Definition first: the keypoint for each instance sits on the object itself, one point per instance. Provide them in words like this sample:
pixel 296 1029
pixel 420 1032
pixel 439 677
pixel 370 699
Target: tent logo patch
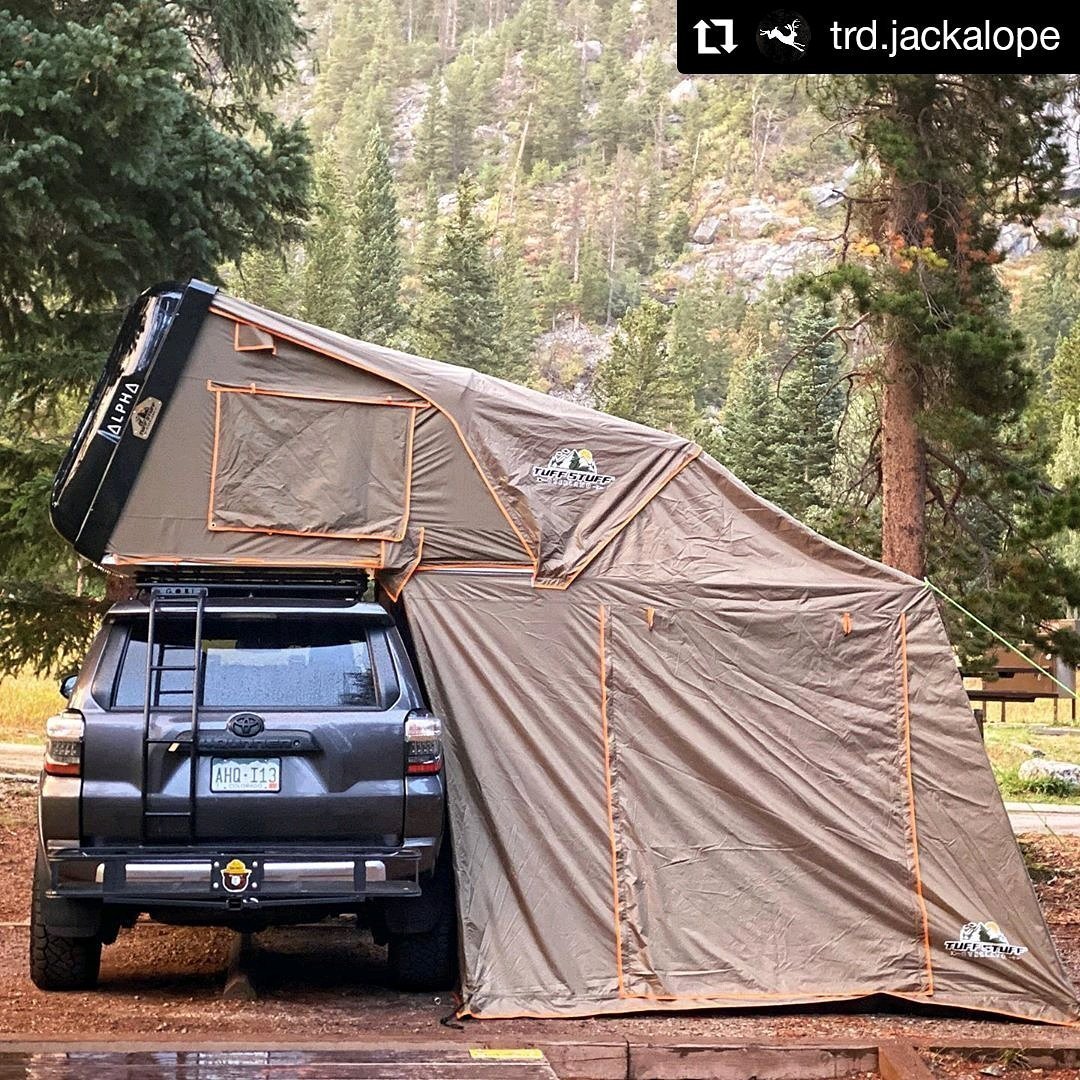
pixel 571 467
pixel 984 940
pixel 143 416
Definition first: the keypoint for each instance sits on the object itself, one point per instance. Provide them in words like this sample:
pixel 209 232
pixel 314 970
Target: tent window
pixel 248 338
pixel 310 466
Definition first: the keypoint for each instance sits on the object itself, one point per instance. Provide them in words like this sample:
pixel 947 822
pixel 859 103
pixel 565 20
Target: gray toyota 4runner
pixel 242 758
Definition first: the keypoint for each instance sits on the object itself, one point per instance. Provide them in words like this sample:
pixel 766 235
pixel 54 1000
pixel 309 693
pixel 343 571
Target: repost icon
pixel 707 29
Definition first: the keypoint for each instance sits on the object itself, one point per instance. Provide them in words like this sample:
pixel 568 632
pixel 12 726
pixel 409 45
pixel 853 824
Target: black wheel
pixel 58 963
pixel 429 960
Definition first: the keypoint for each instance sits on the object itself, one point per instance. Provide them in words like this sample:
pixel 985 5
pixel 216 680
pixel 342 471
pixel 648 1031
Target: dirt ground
pixel 328 980
pixel 1004 1067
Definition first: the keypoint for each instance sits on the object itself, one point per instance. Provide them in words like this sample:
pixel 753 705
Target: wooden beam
pixel 901 1061
pixel 239 985
pixel 788 1060
pixel 588 1061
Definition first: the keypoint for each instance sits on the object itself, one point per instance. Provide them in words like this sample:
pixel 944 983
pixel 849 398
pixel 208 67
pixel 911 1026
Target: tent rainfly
pixel 698 755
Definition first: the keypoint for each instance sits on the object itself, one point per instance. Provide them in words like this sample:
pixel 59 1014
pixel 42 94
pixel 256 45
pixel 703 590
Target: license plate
pixel 245 774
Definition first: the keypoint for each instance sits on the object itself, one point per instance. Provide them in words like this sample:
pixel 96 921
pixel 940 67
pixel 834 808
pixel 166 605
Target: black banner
pixel 719 37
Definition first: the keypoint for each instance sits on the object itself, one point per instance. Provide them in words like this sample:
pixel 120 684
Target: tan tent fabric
pixel 347 460
pixel 698 756
pixel 720 798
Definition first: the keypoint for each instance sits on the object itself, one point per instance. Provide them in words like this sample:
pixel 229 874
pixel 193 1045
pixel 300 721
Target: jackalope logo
pixel 571 467
pixel 783 35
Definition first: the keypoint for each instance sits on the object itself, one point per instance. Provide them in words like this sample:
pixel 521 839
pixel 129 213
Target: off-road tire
pixel 58 963
pixel 429 960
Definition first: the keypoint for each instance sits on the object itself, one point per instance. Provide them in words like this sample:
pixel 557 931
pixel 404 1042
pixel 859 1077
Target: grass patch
pixel 25 703
pixel 1008 745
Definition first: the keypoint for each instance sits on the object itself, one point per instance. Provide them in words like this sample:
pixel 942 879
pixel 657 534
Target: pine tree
pixel 463 107
pixel 338 67
pixel 129 157
pixel 704 325
pixel 676 235
pixel 614 120
pixel 431 159
pixel 747 440
pixel 639 380
pixel 1065 472
pixel 594 286
pixel 427 243
pixel 446 136
pixel 951 159
pixel 1048 304
pixel 643 240
pixel 517 312
pixel 1065 373
pixel 460 319
pixel 376 312
pixel 325 295
pixel 365 109
pixel 651 106
pixel 556 291
pixel 356 73
pixel 553 103
pixel 809 403
pixel 267 278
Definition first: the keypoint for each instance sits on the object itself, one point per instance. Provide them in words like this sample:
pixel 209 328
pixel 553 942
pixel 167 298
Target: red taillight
pixel 423 743
pixel 64 743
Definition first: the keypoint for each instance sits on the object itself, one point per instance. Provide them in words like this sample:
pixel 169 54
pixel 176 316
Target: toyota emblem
pixel 245 724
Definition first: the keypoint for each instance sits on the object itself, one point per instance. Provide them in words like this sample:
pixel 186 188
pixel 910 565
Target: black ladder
pixel 172 600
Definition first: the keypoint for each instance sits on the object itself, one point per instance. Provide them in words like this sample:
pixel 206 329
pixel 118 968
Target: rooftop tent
pixel 698 755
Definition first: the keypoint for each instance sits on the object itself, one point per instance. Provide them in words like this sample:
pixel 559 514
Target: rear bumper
pixel 235 880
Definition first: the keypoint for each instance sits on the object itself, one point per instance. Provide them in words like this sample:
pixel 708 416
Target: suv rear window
pixel 253 663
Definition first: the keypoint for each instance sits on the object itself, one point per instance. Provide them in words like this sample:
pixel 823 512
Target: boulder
pixel 752 219
pixel 712 192
pixel 1045 769
pixel 823 195
pixel 683 92
pixel 1016 241
pixel 1031 751
pixel 706 231
pixel 590 50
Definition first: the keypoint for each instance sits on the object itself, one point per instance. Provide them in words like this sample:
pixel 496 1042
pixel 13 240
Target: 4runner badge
pixel 235 876
pixel 984 940
pixel 570 467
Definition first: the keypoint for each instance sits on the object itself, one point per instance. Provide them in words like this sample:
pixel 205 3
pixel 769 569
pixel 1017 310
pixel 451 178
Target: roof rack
pixel 264 582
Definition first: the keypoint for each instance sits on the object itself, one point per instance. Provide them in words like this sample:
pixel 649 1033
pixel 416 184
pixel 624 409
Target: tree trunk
pixel 903 467
pixel 903 452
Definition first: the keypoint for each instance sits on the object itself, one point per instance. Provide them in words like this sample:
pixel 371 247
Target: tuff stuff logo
pixel 984 940
pixel 570 467
pixel 143 416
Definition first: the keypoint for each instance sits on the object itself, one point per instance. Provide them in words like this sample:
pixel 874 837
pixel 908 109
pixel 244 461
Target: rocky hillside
pixel 613 175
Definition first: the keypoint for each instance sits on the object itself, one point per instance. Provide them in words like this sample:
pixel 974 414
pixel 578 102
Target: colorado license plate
pixel 245 774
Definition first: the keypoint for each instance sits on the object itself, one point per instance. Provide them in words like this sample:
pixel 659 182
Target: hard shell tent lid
pixel 698 756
